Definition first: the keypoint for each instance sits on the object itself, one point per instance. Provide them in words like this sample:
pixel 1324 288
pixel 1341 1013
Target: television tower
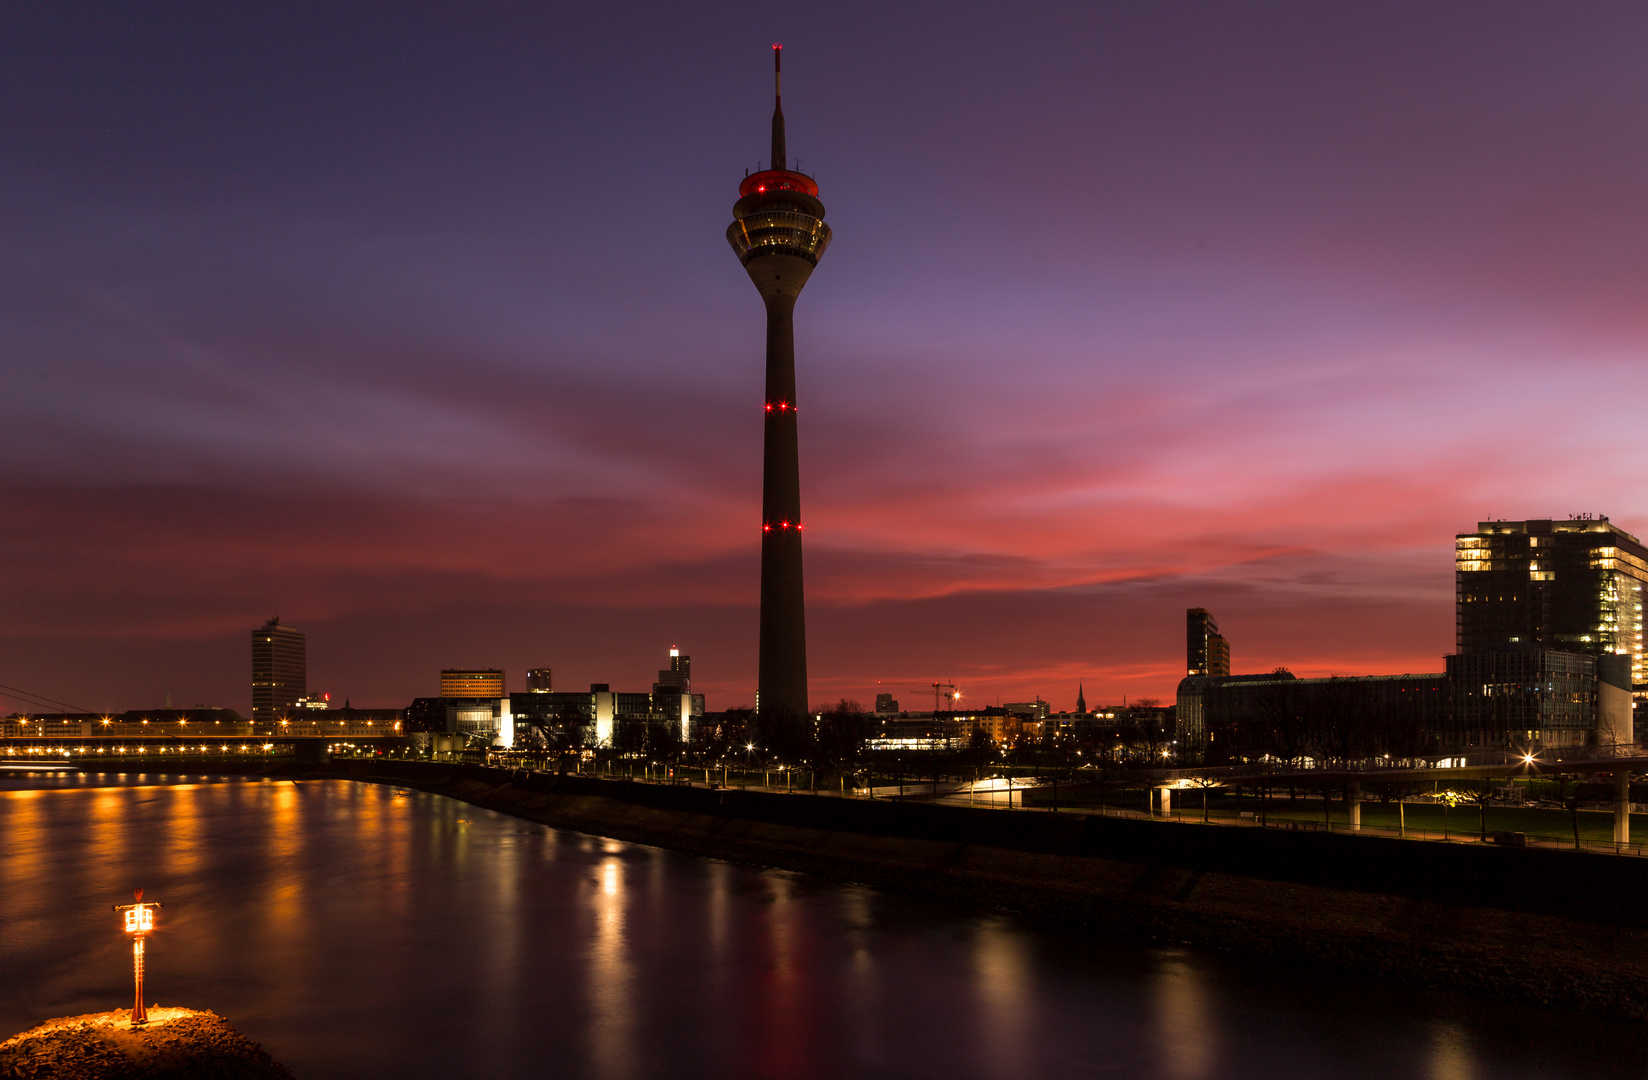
pixel 778 233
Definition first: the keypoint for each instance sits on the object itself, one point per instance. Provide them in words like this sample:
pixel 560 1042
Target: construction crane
pixel 947 691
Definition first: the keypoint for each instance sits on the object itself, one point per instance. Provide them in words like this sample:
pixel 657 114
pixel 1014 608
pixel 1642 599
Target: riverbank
pixel 1562 929
pixel 176 1043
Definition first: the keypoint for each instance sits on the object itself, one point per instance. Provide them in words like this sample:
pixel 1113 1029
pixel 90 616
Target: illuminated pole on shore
pixel 139 922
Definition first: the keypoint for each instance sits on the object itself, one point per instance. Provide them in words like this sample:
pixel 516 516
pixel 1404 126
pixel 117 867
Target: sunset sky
pixel 416 325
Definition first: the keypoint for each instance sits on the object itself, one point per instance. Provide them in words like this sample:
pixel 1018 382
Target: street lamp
pixel 139 923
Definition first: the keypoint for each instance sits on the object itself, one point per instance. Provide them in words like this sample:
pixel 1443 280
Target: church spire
pixel 1081 699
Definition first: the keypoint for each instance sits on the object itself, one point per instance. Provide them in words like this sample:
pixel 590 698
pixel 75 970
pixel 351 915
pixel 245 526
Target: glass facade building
pixel 1575 586
pixel 1521 698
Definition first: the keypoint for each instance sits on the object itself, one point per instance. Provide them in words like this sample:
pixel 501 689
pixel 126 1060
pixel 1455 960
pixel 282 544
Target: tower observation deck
pixel 778 233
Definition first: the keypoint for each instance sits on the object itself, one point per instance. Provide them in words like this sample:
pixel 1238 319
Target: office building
pixel 1549 633
pixel 1206 653
pixel 472 683
pixel 778 233
pixel 1549 654
pixel 481 721
pixel 672 696
pixel 1574 586
pixel 1535 698
pixel 1230 717
pixel 279 670
pixel 677 677
pixel 540 680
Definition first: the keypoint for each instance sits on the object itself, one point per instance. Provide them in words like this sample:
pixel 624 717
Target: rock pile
pixel 176 1043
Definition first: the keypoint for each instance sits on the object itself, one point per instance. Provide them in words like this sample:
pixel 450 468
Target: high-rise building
pixel 672 696
pixel 778 233
pixel 1206 652
pixel 472 683
pixel 677 677
pixel 280 673
pixel 540 680
pixel 1574 585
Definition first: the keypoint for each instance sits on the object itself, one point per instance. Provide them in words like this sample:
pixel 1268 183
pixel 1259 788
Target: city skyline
pixel 1333 287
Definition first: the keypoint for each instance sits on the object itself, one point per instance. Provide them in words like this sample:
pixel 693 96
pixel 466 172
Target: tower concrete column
pixel 1164 802
pixel 782 664
pixel 1353 806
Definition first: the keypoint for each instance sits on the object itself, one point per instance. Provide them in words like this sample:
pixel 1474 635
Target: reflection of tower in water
pixel 1001 966
pixel 1187 1039
pixel 610 975
pixel 778 233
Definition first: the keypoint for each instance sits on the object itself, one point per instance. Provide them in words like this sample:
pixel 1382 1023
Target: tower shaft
pixel 783 646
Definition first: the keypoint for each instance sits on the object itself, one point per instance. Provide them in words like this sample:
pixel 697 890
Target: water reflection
pixel 782 1027
pixel 610 1034
pixel 1185 1028
pixel 357 931
pixel 1450 1053
pixel 1002 967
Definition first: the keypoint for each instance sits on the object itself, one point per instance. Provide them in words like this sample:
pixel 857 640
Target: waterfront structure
pixel 472 683
pixel 1206 652
pixel 1229 717
pixel 1549 632
pixel 169 723
pixel 183 725
pixel 279 669
pixel 778 234
pixel 1574 585
pixel 1548 653
pixel 482 721
pixel 610 718
pixel 1534 697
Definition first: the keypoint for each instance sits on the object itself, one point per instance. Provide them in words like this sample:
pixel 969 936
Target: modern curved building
pixel 778 233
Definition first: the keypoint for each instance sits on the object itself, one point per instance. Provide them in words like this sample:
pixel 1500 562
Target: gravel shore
pixel 176 1043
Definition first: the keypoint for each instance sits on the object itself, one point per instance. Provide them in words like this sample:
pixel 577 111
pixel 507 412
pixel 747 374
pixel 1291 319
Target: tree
pixel 1339 721
pixel 1451 799
pixel 1205 783
pixel 843 732
pixel 1283 729
pixel 785 734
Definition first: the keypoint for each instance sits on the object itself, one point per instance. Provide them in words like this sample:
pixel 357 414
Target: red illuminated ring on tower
pixel 782 526
pixel 783 406
pixel 777 180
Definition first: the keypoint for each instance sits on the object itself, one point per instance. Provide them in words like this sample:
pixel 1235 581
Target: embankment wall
pixel 1598 888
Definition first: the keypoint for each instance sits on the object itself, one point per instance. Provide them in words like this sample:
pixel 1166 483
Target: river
pixel 360 930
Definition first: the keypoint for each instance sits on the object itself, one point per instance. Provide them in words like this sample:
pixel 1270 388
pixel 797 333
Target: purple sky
pixel 419 329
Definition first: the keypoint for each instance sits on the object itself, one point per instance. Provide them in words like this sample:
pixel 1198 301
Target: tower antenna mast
pixel 779 157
